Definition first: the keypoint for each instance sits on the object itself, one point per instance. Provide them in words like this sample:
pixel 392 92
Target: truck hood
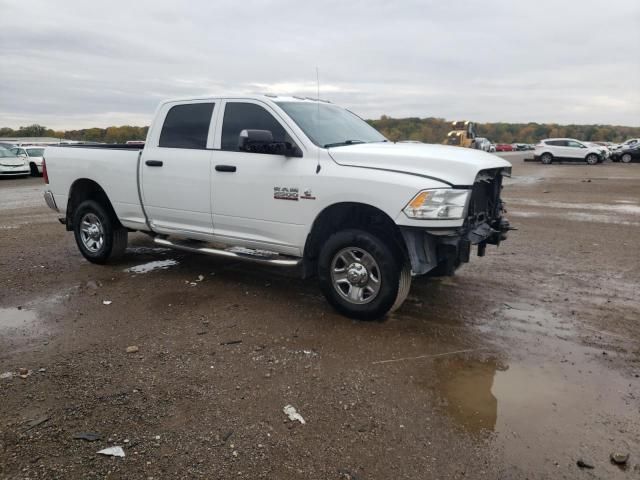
pixel 452 165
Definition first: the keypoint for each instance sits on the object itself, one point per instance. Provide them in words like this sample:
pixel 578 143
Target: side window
pixel 574 144
pixel 186 126
pixel 248 116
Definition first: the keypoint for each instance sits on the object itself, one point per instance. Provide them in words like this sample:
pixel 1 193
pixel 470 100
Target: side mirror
pixel 254 140
pixel 261 141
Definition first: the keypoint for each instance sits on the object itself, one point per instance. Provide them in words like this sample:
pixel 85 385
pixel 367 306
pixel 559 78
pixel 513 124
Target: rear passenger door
pixel 559 149
pixel 175 170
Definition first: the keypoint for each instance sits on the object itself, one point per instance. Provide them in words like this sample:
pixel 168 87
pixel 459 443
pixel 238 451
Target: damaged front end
pixel 440 251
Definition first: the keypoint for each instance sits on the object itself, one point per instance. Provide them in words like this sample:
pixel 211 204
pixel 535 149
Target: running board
pixel 238 254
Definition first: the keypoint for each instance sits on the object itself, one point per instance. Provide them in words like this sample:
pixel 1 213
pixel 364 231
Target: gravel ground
pixel 523 363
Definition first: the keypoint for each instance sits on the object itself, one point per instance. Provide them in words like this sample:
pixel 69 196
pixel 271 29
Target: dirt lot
pixel 523 363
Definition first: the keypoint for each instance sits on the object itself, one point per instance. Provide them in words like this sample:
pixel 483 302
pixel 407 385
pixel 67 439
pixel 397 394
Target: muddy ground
pixel 523 363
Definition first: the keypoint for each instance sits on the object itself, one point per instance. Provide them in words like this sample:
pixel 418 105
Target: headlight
pixel 437 204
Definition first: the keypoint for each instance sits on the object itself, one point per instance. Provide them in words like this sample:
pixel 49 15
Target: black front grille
pixel 485 204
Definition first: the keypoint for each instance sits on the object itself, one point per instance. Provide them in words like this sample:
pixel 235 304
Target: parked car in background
pixel 628 154
pixel 567 150
pixel 482 143
pixel 33 156
pixel 504 147
pixel 629 143
pixel 11 165
pixel 492 147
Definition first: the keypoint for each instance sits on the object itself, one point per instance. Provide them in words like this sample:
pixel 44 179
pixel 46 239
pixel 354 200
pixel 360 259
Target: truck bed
pixel 113 167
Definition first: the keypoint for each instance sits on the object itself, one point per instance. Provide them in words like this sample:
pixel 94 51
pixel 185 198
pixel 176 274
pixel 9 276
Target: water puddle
pixel 624 208
pixel 576 216
pixel 17 318
pixel 546 403
pixel 31 320
pixel 148 250
pixel 541 411
pixel 521 180
pixel 151 266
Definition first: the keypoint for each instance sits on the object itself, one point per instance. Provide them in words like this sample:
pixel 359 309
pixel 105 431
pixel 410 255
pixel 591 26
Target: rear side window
pixel 557 143
pixel 187 126
pixel 248 116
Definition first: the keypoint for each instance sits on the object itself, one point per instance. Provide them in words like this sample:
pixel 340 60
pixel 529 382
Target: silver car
pixel 11 165
pixel 33 155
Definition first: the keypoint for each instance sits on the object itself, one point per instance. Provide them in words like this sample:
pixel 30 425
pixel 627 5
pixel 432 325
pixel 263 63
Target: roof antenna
pixel 318 118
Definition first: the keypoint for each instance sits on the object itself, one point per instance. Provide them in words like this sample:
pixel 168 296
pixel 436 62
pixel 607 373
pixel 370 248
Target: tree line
pixel 107 135
pixel 434 130
pixel 429 130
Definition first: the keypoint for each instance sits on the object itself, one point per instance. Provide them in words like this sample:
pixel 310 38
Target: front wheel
pixel 361 275
pixel 626 158
pixel 592 159
pixel 99 236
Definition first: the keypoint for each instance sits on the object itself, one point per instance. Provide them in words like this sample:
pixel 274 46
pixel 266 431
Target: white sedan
pixel 33 156
pixel 12 165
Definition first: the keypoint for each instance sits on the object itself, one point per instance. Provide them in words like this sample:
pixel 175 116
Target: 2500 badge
pixel 284 193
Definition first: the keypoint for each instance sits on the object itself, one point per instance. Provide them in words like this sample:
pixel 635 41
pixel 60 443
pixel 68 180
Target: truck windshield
pixel 329 125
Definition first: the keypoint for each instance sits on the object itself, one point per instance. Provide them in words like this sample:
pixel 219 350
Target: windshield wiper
pixel 339 144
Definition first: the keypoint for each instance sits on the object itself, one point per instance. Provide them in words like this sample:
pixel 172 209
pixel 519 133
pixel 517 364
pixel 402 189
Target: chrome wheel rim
pixel 355 275
pixel 91 232
pixel 626 158
pixel 592 159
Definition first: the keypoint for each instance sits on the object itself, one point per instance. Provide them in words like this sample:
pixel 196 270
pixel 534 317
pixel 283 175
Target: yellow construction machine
pixel 462 135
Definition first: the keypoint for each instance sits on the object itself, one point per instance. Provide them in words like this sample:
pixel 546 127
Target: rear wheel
pixel 547 158
pixel 98 235
pixel 626 158
pixel 361 275
pixel 592 159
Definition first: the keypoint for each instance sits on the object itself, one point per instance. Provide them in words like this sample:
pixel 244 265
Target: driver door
pixel 256 196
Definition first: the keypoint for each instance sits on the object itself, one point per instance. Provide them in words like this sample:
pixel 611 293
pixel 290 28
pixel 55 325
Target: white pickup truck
pixel 285 181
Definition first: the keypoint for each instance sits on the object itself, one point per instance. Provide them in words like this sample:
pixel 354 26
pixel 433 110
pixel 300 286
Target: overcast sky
pixel 78 64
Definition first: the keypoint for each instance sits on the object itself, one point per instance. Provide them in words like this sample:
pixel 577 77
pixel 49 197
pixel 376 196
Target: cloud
pixel 78 64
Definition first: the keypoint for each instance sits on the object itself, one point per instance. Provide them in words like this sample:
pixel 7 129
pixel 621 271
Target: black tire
pixel 626 158
pixel 113 237
pixel 592 159
pixel 34 170
pixel 388 268
pixel 547 158
pixel 405 287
